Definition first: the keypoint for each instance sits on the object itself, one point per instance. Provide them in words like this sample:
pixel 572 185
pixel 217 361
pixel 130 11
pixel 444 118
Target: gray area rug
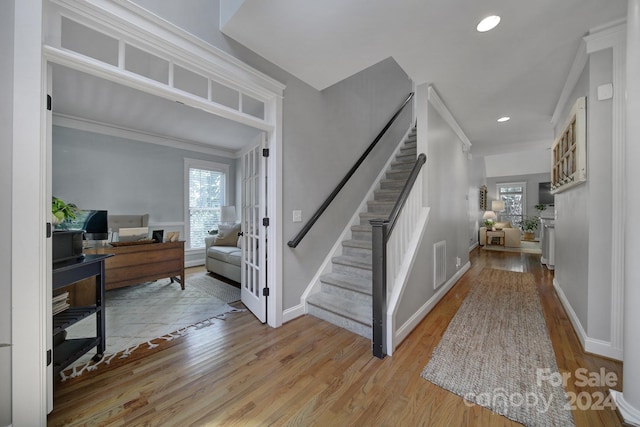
pixel 146 314
pixel 214 287
pixel 495 350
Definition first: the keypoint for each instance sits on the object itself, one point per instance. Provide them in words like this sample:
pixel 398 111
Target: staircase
pixel 345 296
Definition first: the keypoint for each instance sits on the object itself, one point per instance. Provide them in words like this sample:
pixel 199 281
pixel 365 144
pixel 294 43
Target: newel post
pixel 379 282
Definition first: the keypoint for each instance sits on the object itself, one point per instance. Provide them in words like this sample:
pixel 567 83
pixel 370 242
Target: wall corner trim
pixel 441 107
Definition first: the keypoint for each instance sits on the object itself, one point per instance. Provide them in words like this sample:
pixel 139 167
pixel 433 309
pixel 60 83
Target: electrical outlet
pixel 458 262
pixel 297 216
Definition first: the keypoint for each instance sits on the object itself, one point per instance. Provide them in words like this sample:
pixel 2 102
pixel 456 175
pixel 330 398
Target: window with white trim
pixel 206 188
pixel 514 196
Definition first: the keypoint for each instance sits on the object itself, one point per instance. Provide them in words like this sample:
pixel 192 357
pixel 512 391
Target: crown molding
pixel 136 135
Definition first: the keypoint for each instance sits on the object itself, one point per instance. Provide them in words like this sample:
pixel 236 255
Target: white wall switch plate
pixel 297 216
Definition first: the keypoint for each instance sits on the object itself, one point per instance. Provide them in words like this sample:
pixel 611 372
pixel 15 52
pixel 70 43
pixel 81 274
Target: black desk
pixel 65 273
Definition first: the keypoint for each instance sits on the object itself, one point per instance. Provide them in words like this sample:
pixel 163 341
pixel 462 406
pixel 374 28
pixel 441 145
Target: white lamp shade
pixel 489 215
pixel 497 205
pixel 228 214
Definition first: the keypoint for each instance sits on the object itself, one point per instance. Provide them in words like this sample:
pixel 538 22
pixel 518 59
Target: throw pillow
pixel 227 235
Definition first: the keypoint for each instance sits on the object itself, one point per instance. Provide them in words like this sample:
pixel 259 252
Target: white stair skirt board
pixel 341 291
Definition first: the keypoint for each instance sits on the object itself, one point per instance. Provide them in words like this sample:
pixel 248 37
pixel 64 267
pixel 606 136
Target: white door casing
pixel 254 211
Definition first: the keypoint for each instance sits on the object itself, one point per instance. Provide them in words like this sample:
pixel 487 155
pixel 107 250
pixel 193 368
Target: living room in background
pixel 206 191
pixel 514 196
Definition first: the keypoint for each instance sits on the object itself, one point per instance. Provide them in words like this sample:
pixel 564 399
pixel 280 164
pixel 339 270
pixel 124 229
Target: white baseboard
pixel 630 415
pixel 293 313
pixel 475 245
pixel 590 345
pixel 404 330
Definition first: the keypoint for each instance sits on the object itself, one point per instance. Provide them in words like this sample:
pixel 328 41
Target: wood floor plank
pixel 308 372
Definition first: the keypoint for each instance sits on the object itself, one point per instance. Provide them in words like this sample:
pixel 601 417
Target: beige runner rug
pixel 496 349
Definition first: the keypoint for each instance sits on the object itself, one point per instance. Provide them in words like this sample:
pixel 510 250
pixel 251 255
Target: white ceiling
pixel 82 96
pixel 517 70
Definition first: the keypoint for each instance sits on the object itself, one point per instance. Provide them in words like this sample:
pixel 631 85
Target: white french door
pixel 254 248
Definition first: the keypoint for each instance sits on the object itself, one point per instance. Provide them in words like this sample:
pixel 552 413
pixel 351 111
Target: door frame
pixel 31 208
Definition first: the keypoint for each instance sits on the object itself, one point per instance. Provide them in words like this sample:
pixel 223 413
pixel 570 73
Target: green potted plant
pixel 529 225
pixel 62 211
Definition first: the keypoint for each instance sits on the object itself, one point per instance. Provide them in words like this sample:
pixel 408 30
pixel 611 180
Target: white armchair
pixel 511 235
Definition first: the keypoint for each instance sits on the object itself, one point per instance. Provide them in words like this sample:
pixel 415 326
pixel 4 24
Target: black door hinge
pixel 49 357
pixel 48 230
pixel 265 152
pixel 265 292
pixel 48 102
pixel 265 222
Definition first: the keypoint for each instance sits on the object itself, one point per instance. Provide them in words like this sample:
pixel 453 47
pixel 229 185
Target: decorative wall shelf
pixel 568 152
pixel 483 198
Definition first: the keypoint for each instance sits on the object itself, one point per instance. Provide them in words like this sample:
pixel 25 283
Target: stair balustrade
pixel 391 238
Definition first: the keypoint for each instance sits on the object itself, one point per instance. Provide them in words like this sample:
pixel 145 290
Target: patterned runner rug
pixel 146 314
pixel 495 349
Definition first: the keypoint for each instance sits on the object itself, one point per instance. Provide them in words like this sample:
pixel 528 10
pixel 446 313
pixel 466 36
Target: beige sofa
pixel 223 253
pixel 511 235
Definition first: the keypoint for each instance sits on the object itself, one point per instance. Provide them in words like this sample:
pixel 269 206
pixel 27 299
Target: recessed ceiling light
pixel 488 23
pixel 504 119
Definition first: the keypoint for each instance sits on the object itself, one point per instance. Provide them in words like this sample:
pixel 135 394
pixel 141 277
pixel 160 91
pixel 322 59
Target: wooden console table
pixel 498 234
pixel 142 263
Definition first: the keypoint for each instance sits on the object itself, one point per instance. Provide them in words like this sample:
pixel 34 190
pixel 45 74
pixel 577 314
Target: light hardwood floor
pixel 309 372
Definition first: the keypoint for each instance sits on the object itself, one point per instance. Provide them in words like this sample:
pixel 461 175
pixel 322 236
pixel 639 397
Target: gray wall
pixel 599 186
pixel 324 133
pixel 583 238
pixel 447 183
pixel 6 133
pixel 123 176
pixel 572 224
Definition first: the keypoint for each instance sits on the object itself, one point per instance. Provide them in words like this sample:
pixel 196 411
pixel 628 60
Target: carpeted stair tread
pixel 356 243
pixel 365 217
pixel 389 184
pixel 403 164
pixel 382 206
pixel 356 284
pixel 398 174
pixel 353 261
pixel 343 307
pixel 387 194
